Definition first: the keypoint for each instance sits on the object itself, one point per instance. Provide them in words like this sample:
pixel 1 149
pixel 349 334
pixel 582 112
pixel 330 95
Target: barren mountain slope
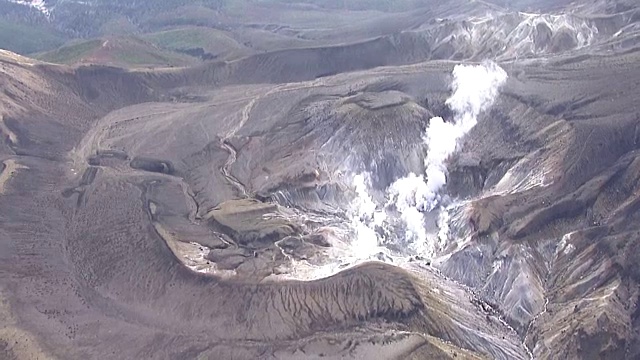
pixel 199 212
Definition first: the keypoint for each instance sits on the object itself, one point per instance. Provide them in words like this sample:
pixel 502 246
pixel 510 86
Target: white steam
pixel 475 88
pixel 405 194
pixel 364 218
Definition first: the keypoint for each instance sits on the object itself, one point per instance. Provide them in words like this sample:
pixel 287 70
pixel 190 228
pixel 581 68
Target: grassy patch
pixel 71 53
pixel 179 39
pixel 189 38
pixel 136 56
pixel 211 41
pixel 119 51
pixel 381 5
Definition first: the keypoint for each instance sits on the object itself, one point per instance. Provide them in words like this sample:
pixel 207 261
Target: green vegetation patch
pixel 139 56
pixel 27 39
pixel 194 37
pixel 381 5
pixel 71 53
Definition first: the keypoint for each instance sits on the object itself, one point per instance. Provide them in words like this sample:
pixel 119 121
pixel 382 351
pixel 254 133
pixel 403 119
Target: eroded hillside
pixel 232 208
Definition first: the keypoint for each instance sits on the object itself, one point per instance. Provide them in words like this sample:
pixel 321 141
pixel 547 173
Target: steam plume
pixel 475 88
pixel 364 219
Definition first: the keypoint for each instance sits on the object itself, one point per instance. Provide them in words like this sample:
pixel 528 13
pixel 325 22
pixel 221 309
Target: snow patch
pixel 39 5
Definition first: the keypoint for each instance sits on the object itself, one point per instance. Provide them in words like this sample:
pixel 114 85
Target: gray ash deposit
pixel 425 180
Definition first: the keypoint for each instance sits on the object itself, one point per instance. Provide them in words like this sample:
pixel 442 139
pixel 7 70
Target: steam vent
pixel 319 179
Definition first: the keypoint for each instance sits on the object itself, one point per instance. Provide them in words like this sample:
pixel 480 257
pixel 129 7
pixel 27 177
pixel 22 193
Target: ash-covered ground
pixel 460 180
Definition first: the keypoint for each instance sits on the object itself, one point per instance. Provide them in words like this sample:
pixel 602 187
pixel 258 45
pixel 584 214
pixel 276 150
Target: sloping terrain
pixel 117 51
pixel 32 39
pixel 200 42
pixel 169 48
pixel 221 208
